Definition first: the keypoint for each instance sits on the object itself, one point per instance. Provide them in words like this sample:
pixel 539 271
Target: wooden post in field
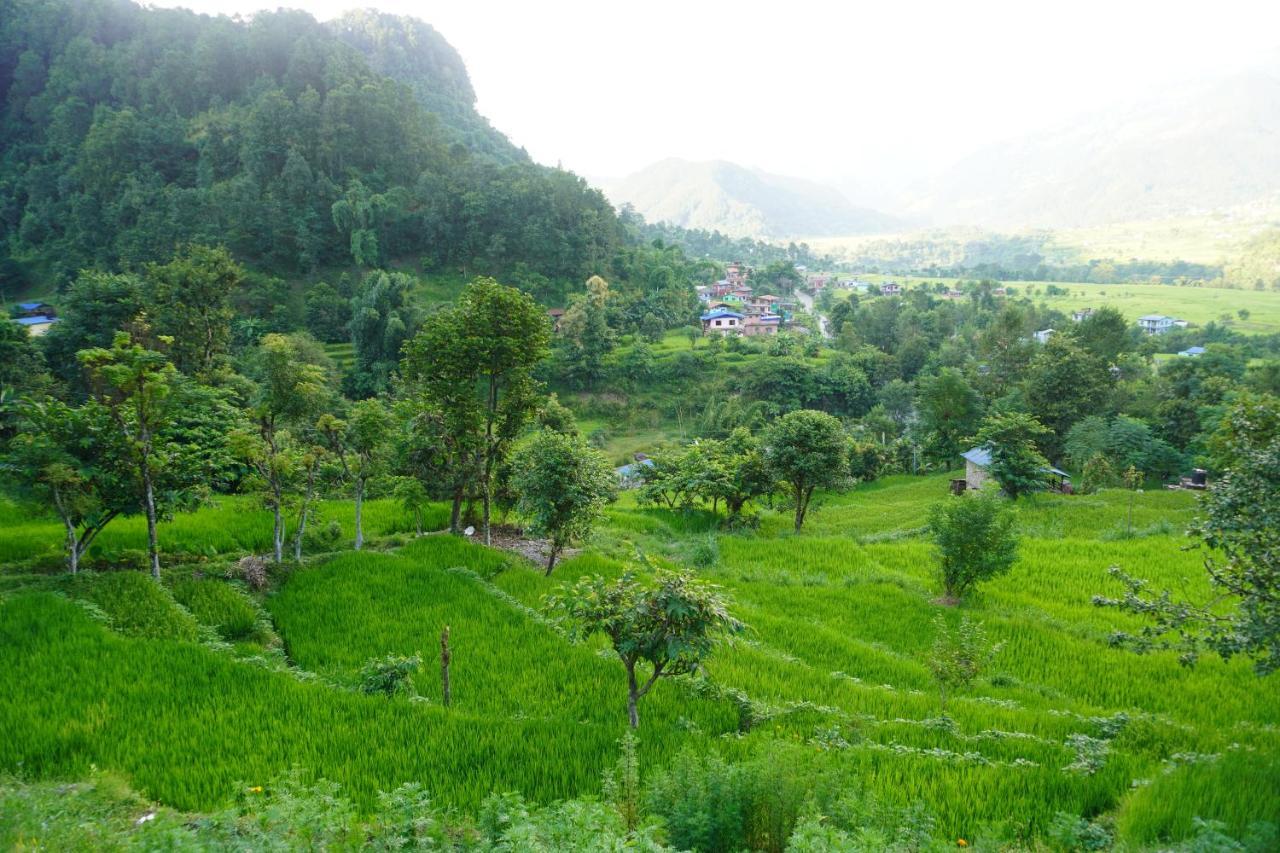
pixel 445 656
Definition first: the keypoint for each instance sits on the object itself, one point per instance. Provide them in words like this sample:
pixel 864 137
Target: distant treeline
pixel 714 245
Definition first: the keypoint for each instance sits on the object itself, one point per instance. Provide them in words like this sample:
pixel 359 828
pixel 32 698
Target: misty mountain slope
pixel 741 202
pixel 1205 147
pixel 414 53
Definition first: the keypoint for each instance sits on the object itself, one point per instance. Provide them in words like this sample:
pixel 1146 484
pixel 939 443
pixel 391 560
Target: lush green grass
pixel 232 525
pixel 219 605
pixel 1199 305
pixel 840 623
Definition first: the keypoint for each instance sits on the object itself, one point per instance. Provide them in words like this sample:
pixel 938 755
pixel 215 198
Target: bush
pixel 390 676
pixel 219 606
pixel 975 539
pixel 254 571
pixel 136 606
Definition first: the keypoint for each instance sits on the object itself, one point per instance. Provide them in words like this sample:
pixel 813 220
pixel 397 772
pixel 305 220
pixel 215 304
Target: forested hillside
pixel 126 131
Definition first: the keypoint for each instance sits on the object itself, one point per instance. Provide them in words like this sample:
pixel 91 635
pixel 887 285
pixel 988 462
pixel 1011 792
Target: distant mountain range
pixel 741 202
pixel 1192 150
pixel 1180 152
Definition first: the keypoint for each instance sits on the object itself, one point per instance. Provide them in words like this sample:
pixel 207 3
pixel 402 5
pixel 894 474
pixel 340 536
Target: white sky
pixel 878 90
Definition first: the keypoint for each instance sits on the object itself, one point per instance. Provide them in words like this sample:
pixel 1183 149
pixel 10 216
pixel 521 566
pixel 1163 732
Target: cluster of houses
pixel 733 308
pixel 35 317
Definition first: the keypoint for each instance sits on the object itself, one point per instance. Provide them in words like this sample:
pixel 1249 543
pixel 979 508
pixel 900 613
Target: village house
pixel 891 288
pixel 764 324
pixel 556 315
pixel 953 294
pixel 631 475
pixel 977 472
pixel 722 320
pixel 1192 352
pixel 35 317
pixel 1042 336
pixel 736 274
pixel 1081 315
pixel 1158 324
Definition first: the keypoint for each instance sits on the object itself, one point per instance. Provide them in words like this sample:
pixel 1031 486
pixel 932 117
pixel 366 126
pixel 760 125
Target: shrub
pixel 391 675
pixel 975 539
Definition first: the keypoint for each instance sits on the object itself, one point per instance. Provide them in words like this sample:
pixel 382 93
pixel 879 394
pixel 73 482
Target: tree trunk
pixel 800 502
pixel 153 545
pixel 359 513
pixel 277 532
pixel 455 514
pixel 446 657
pixel 551 561
pixel 633 697
pixel 73 549
pixel 488 538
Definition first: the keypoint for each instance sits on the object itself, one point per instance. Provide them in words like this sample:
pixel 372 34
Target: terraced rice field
pixel 840 619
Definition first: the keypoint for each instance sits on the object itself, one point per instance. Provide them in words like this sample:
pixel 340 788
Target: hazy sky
pixel 817 89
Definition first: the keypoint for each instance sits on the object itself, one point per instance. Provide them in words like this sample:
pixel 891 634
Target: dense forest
pixel 296 145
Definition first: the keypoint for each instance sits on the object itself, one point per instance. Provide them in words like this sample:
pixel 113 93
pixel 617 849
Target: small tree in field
pixel 360 445
pixel 806 449
pixel 70 459
pixel 136 386
pixel 975 539
pixel 1016 462
pixel 562 486
pixel 959 655
pixel 672 626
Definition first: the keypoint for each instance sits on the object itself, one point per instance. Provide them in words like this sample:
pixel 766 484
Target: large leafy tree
pixel 474 362
pixel 585 336
pixel 136 386
pixel 975 538
pixel 94 308
pixel 562 486
pixel 949 410
pixel 191 295
pixel 672 625
pixel 1066 382
pixel 70 458
pixel 806 450
pixel 1016 461
pixel 383 319
pixel 1105 333
pixel 740 471
pixel 291 392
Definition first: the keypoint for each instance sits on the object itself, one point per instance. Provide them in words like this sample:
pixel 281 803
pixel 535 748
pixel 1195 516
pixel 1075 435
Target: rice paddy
pixel 840 622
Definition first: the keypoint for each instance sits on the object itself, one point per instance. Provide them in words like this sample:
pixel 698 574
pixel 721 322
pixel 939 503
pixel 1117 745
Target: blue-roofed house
pixel 977 471
pixel 722 320
pixel 1192 352
pixel 37 325
pixel 35 309
pixel 629 475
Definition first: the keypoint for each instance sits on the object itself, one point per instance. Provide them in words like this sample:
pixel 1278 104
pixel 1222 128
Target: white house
pixel 1157 324
pixel 722 320
pixel 1042 336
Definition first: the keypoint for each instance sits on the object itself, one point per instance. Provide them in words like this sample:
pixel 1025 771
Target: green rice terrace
pixel 199 690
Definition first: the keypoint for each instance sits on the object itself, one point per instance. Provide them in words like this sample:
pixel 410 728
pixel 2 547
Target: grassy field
pixel 840 620
pixel 1196 304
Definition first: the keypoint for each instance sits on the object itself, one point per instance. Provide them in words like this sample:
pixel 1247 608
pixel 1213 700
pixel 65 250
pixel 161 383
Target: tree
pixel 192 299
pixel 1105 333
pixel 585 336
pixel 360 445
pixel 806 450
pixel 136 387
pixel 975 538
pixel 291 391
pixel 959 655
pixel 1239 525
pixel 562 486
pixel 1065 383
pixel 475 362
pixel 672 625
pixel 21 365
pixel 382 320
pixel 740 471
pixel 69 458
pixel 949 410
pixel 1016 462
